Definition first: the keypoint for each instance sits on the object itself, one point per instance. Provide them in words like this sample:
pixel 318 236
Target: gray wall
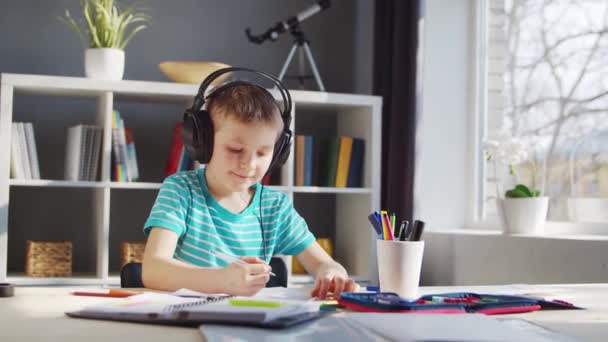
pixel 35 41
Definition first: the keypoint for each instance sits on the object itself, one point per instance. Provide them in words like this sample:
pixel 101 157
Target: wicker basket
pixel 131 251
pixel 48 258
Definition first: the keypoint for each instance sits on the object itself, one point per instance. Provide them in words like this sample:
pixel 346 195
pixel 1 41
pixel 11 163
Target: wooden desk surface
pixel 37 313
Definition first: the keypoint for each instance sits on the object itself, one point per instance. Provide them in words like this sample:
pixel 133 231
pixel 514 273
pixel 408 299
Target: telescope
pixel 292 24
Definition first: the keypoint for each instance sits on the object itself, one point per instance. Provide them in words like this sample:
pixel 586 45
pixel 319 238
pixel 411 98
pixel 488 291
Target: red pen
pixel 112 293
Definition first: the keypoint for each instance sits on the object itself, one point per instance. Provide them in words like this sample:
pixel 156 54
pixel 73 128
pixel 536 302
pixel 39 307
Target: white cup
pixel 399 264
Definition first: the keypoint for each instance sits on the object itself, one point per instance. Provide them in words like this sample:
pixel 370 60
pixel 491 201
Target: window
pixel 546 77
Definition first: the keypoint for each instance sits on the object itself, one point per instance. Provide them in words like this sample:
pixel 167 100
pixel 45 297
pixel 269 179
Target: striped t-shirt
pixel 185 206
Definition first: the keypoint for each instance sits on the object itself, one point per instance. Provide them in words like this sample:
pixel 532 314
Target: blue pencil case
pixel 455 302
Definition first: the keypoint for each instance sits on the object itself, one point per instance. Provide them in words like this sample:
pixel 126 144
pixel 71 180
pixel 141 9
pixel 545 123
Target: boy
pixel 224 209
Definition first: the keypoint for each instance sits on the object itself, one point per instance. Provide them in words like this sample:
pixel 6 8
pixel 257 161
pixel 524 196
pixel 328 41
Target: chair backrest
pixel 130 274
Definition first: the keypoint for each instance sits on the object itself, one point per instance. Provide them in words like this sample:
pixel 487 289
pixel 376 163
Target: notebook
pixel 163 308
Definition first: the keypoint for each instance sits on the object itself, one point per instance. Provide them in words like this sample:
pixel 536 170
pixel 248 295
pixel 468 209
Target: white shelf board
pixel 160 91
pixel 23 280
pixel 55 183
pixel 328 190
pixel 82 184
pixel 134 185
pixel 152 185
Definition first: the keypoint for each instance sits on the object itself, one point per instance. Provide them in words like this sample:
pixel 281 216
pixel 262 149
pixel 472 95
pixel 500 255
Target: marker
pixel 232 259
pixel 403 230
pixel 255 303
pixel 375 224
pixel 394 226
pixel 418 234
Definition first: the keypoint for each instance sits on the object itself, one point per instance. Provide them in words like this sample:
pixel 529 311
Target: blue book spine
pixel 355 170
pixel 308 160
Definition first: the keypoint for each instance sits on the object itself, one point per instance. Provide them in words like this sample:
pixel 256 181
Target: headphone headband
pixel 200 97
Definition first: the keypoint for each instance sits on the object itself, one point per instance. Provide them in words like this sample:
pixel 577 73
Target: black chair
pixel 130 274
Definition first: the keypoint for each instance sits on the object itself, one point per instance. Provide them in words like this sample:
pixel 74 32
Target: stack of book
pixel 24 156
pixel 82 153
pixel 124 156
pixel 330 162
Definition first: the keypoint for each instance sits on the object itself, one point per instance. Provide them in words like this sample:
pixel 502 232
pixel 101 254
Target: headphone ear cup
pixel 281 151
pixel 197 135
pixel 205 137
pixel 188 133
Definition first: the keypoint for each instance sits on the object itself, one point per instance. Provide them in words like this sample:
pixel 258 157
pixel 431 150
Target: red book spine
pixel 175 151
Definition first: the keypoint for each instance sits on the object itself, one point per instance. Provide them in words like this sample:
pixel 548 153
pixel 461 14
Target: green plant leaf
pixel 524 189
pixel 106 24
pixel 516 193
pixel 536 193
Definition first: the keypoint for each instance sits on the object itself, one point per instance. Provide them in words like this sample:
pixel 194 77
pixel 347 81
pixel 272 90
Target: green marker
pixel 489 300
pixel 255 303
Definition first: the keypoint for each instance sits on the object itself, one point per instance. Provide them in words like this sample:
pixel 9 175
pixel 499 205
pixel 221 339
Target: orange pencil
pixel 112 293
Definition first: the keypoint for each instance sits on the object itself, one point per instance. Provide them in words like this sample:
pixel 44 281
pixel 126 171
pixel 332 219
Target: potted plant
pixel 523 209
pixel 108 30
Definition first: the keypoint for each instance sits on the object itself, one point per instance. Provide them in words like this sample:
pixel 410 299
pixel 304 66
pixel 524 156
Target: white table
pixel 37 313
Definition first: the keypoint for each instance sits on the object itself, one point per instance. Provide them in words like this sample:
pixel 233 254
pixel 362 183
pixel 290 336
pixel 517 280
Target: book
pixel 31 150
pixel 16 155
pixel 346 145
pixel 96 153
pixel 300 152
pixel 131 154
pixel 308 141
pixel 355 169
pixel 333 148
pixel 164 308
pixel 74 153
pixel 24 150
pixel 118 169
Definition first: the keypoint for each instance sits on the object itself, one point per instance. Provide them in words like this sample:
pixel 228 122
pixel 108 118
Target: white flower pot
pixel 588 209
pixel 525 215
pixel 104 63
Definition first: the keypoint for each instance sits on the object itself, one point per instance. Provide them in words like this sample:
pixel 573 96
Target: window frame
pixel 476 217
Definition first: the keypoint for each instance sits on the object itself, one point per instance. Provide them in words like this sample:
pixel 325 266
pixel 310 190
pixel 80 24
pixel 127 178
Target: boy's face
pixel 242 152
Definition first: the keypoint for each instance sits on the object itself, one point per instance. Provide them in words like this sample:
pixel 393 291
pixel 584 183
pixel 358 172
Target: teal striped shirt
pixel 185 206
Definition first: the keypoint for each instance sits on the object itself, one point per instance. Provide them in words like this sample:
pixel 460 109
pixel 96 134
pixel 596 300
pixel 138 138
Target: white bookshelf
pixel 355 115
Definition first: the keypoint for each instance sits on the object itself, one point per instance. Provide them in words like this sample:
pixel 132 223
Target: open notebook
pixel 163 308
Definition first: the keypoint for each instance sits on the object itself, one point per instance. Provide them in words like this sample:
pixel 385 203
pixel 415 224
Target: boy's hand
pixel 246 279
pixel 332 277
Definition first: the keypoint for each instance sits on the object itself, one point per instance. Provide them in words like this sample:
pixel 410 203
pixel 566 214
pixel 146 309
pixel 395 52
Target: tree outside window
pixel 548 82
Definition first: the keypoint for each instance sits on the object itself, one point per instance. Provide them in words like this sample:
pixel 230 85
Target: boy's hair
pixel 245 102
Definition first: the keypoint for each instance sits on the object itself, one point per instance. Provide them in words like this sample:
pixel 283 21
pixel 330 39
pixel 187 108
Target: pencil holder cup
pixel 399 264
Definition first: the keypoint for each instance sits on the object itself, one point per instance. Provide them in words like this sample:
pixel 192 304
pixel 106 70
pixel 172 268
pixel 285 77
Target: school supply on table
pixel 111 293
pixel 232 259
pixel 386 227
pixel 456 302
pixel 163 308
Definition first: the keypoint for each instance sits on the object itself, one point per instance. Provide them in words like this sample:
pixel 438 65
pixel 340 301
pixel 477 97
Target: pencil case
pixel 456 302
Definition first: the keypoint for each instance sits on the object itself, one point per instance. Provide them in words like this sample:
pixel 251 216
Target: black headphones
pixel 198 132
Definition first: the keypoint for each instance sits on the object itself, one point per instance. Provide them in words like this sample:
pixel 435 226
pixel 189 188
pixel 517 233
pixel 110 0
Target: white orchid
pixel 510 151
